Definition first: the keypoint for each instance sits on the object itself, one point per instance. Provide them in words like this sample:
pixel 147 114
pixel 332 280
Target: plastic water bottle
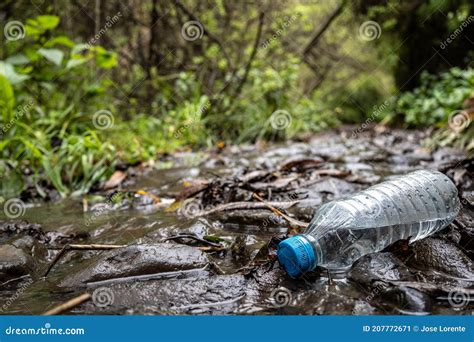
pixel 407 207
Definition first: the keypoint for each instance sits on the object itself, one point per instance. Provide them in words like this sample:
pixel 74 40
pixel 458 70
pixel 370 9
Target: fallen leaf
pixel 115 180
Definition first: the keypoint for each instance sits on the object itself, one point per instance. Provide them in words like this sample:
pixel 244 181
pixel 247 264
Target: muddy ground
pixel 199 237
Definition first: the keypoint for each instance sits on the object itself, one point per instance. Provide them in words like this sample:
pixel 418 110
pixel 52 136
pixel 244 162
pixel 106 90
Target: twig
pixel 192 237
pixel 320 31
pixel 15 279
pixel 246 206
pixel 252 55
pixel 72 303
pixel 67 248
pixel 145 277
pixel 279 213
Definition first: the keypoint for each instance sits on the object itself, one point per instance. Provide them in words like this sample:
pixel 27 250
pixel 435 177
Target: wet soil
pixel 191 235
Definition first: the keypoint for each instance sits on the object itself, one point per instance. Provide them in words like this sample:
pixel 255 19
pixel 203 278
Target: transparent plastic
pixel 407 207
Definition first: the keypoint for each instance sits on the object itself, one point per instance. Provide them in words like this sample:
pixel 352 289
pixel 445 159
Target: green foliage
pixel 7 99
pixel 50 132
pixel 436 97
pixel 437 102
pixel 177 94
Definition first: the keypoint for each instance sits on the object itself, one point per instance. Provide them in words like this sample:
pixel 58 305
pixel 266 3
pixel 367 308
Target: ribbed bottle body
pixel 411 206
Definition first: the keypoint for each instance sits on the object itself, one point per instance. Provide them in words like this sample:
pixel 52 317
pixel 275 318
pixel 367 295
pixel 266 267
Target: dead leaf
pixel 458 175
pixel 115 180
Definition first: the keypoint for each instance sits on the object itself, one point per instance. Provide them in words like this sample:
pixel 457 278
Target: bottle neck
pixel 316 248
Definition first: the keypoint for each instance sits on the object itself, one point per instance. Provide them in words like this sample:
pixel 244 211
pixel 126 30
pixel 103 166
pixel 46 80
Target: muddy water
pixel 229 265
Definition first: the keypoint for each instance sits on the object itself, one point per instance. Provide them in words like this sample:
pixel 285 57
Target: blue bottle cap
pixel 296 255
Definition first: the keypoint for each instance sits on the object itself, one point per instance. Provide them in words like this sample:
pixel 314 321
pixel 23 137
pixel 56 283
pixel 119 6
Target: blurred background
pixel 89 87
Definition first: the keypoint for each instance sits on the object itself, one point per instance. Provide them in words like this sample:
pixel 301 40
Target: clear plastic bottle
pixel 411 206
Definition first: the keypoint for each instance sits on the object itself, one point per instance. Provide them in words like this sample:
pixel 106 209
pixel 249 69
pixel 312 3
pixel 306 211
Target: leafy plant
pixel 50 133
pixel 436 97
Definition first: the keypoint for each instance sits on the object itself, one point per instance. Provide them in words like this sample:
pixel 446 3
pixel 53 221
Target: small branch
pixel 192 237
pixel 252 55
pixel 320 31
pixel 72 303
pixel 246 206
pixel 67 248
pixel 145 277
pixel 277 212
